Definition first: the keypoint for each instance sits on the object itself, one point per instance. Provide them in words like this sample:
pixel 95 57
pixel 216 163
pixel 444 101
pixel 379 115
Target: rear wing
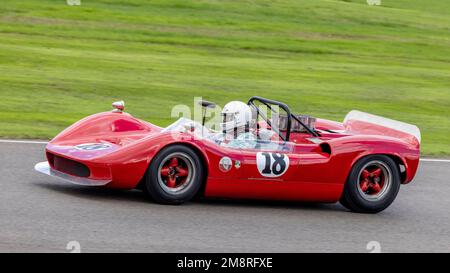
pixel 371 124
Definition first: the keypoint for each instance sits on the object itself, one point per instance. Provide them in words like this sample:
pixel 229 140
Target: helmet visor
pixel 227 117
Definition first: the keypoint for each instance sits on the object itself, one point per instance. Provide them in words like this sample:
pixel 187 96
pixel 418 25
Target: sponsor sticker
pixel 225 164
pixel 93 146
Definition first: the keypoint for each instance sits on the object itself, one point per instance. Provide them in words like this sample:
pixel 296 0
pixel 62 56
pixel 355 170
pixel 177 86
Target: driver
pixel 236 117
pixel 237 123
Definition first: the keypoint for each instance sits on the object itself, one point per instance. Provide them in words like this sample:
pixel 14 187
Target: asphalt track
pixel 42 214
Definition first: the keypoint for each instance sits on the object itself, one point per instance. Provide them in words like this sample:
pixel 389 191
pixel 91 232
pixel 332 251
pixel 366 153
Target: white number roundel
pixel 272 164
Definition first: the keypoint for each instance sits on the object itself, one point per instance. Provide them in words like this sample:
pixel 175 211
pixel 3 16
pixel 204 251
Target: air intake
pixel 68 166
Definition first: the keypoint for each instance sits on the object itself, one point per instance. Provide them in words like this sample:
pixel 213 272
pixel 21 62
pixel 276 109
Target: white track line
pixel 22 141
pixel 44 142
pixel 435 160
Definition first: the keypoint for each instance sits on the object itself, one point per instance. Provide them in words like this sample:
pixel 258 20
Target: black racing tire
pixel 344 203
pixel 161 189
pixel 359 197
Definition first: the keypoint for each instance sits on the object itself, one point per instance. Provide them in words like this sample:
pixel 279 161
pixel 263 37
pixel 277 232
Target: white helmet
pixel 235 115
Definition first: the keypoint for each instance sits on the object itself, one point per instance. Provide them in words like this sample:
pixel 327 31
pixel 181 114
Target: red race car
pixel 361 162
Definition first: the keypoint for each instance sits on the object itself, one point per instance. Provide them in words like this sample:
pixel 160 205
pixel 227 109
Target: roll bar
pixel 268 102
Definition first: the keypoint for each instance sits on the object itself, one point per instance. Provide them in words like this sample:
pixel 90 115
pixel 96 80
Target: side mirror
pixel 207 104
pixel 118 106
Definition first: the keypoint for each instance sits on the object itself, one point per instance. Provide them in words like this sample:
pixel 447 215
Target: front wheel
pixel 174 176
pixel 372 185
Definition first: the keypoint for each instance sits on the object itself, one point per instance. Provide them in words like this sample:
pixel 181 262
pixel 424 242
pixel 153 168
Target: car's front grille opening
pixel 68 166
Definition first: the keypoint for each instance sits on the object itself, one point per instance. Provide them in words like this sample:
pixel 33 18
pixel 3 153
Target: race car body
pixel 360 162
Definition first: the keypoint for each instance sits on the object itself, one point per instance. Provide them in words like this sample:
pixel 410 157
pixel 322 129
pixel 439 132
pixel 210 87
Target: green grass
pixel 323 57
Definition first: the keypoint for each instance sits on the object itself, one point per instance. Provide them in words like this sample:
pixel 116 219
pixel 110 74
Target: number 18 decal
pixel 272 164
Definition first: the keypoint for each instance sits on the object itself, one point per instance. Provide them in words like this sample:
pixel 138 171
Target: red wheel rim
pixel 175 172
pixel 374 180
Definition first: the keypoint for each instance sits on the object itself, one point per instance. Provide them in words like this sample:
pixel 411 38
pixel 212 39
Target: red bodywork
pixel 317 171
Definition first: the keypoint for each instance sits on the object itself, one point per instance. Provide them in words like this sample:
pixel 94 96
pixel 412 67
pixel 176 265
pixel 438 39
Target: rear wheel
pixel 174 176
pixel 372 186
